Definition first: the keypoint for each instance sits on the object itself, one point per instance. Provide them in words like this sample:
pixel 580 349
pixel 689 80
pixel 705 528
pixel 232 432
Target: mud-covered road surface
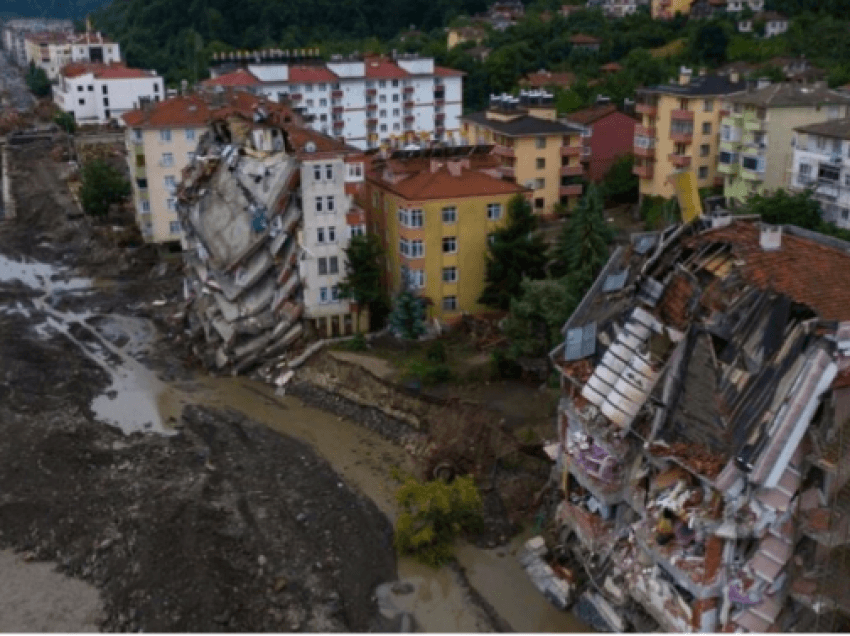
pixel 215 523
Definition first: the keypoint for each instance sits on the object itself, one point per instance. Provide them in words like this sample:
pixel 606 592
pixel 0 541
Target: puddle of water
pixel 39 276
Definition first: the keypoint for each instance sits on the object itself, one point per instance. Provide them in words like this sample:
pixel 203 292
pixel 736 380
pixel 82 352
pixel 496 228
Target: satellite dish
pixel 310 146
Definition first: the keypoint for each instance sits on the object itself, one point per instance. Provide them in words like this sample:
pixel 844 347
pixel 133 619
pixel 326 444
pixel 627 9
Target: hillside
pixel 73 9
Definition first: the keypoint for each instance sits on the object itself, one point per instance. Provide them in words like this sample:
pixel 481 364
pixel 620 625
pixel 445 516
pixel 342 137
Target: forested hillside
pixel 73 9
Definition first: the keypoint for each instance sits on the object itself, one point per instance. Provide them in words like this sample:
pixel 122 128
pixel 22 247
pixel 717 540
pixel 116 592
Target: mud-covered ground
pixel 223 526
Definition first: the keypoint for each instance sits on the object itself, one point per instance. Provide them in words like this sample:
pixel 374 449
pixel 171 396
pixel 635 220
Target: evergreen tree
pixel 536 318
pixel 37 81
pixel 362 282
pixel 102 185
pixel 515 253
pixel 407 319
pixel 582 248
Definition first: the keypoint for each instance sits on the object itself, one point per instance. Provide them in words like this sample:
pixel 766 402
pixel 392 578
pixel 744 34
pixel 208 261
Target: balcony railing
pixel 682 136
pixel 409 104
pixel 338 94
pixel 572 171
pixel 503 151
pixel 573 190
pixel 645 131
pixel 508 172
pixel 409 89
pixel 682 115
pixel 646 108
pixel 680 161
pixel 371 92
pixel 339 124
pixel 570 151
pixel 337 109
pixel 644 171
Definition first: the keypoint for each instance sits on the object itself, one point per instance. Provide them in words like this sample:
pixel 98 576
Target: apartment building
pixel 16 30
pixel 366 101
pixel 702 9
pixel 621 8
pixel 774 24
pixel 434 211
pixel 756 137
pixel 821 162
pixel 736 6
pixel 537 151
pixel 460 35
pixel 548 80
pixel 679 130
pixel 53 50
pixel 702 456
pixel 609 135
pixel 99 93
pixel 667 9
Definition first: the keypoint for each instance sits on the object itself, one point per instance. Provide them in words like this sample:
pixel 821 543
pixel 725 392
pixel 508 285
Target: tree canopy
pixel 582 248
pixel 362 282
pixel 102 185
pixel 37 81
pixel 515 253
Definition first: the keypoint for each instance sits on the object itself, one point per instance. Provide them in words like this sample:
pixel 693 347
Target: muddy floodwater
pixel 138 399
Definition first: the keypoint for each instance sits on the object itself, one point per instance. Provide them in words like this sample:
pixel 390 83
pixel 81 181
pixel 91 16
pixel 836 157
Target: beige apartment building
pixel 679 131
pixel 53 50
pixel 161 139
pixel 537 151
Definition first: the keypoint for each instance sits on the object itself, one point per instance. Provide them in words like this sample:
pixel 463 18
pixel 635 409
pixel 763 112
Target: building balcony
pixel 728 168
pixel 730 145
pixel 754 125
pixel 573 190
pixel 371 92
pixel 144 194
pixel 503 151
pixel 372 121
pixel 440 130
pixel 409 90
pixel 570 151
pixel 439 116
pixel 646 152
pixel 409 104
pixel 682 137
pixel 508 172
pixel 572 171
pixel 296 97
pixel 679 161
pixel 337 110
pixel 439 99
pixel 409 118
pixel 644 171
pixel 371 107
pixel 140 172
pixel 648 109
pixel 339 124
pixel 337 94
pixel 645 131
pixel 682 115
pixel 751 175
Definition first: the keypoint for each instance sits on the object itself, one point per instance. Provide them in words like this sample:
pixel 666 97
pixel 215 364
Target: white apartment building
pixel 52 51
pixel 368 102
pixel 331 218
pixel 736 6
pixel 98 93
pixel 16 30
pixel 822 162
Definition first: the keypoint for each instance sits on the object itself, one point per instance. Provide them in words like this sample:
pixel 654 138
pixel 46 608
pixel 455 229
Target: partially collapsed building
pixel 704 430
pixel 251 202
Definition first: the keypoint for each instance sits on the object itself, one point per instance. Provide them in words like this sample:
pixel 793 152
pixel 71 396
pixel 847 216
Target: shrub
pixel 357 343
pixel 505 367
pixel 433 514
pixel 436 352
pixel 429 372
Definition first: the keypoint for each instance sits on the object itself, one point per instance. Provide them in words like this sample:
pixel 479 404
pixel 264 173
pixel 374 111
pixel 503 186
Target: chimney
pixel 770 237
pixel 684 76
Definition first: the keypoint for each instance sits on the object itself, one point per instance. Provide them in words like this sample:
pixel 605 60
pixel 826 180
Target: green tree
pixel 433 514
pixel 582 248
pixel 621 183
pixel 37 81
pixel 798 209
pixel 708 44
pixel 102 185
pixel 407 319
pixel 536 317
pixel 515 253
pixel 362 282
pixel 66 122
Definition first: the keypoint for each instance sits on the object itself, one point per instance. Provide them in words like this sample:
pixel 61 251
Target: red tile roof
pixel 311 74
pixel 442 184
pixel 592 114
pixel 612 67
pixel 104 71
pixel 62 37
pixel 442 71
pixel 240 77
pixel 581 38
pixel 808 272
pixel 382 68
pixel 541 79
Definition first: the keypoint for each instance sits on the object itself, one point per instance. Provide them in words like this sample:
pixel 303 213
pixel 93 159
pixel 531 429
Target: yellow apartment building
pixel 434 217
pixel 536 150
pixel 667 9
pixel 679 131
pixel 459 35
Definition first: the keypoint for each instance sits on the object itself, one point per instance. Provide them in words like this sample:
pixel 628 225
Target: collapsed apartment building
pixel 703 452
pixel 266 210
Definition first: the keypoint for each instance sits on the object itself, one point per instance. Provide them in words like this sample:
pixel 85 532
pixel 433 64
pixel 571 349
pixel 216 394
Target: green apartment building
pixel 757 132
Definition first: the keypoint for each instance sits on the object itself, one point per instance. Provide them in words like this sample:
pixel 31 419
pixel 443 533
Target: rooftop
pixel 581 38
pixel 239 77
pixel 838 128
pixel 523 125
pixel 543 78
pixel 590 115
pixel 311 74
pixel 698 86
pixel 105 71
pixel 382 68
pixel 790 95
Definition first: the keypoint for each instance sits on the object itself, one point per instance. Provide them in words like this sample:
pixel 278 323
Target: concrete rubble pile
pixel 704 430
pixel 240 211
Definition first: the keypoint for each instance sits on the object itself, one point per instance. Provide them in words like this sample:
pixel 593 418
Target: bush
pixel 102 185
pixel 428 372
pixel 505 367
pixel 357 343
pixel 66 122
pixel 436 352
pixel 433 514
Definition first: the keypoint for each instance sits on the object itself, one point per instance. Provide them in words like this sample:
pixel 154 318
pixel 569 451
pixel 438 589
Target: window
pixel 450 274
pixel 167 160
pixel 396 112
pixel 703 172
pixel 491 238
pixel 330 203
pixel 541 163
pixel 396 127
pixel 395 97
pixel 146 206
pixel 416 218
pixel 404 247
pixel 829 173
pixel 728 157
pixel 323 266
pixel 317 172
pixel 355 170
pixel 539 203
pixel 382 99
pixel 170 183
pixel 323 102
pixel 171 204
pixel 137 134
pixel 382 84
pixel 82 102
pixel 539 184
pixel 383 128
pixel 834 112
pixel 417 249
pixel 309 103
pixel 165 135
pixel 704 150
pixel 395 83
pixel 80 89
pixel 106 101
pixel 706 128
pixel 319 204
pixel 333 265
pixel 331 234
pixel 323 294
pixel 450 215
pixel 804 175
pixel 416 278
pixel 105 89
pixel 91 88
pixel 540 142
pixel 494 211
pixel 190 157
pixel 334 294
pixel 708 105
pixel 358 230
pixel 449 303
pixel 383 113
pixel 449 245
pixel 320 235
pixel 308 88
pixel 174 227
pixel 329 171
pixel 403 217
pixel 190 134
